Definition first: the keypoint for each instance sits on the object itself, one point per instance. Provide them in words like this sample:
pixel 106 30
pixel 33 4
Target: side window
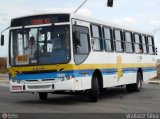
pixel 128 42
pixel 81 43
pixel 138 45
pixel 151 45
pixel 97 39
pixel 108 41
pixel 81 40
pixel 118 40
pixel 83 47
pixel 144 43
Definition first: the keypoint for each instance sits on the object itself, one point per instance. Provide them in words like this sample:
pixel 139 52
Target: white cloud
pixel 52 10
pixel 2 14
pixel 130 20
pixel 5 51
pixel 84 11
pixel 155 22
pixel 126 21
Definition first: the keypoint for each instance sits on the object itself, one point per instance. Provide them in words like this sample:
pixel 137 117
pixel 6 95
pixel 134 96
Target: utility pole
pixel 80 6
pixel 109 4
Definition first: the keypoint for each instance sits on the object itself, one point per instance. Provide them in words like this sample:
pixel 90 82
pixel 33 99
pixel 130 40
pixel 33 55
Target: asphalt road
pixel 114 100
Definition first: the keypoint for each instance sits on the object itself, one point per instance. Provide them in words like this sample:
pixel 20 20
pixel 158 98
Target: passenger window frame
pixel 111 38
pixel 153 45
pixel 139 44
pixel 99 38
pixel 121 40
pixel 146 43
pixel 131 42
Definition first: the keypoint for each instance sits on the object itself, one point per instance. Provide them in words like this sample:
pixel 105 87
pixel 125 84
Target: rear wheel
pixel 43 96
pixel 94 91
pixel 137 86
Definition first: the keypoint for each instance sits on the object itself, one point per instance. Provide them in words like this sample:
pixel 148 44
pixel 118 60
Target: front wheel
pixel 94 91
pixel 43 96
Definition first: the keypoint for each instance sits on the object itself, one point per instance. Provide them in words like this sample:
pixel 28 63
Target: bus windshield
pixel 41 45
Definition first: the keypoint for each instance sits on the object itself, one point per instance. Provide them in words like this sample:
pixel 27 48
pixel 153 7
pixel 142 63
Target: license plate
pixel 16 87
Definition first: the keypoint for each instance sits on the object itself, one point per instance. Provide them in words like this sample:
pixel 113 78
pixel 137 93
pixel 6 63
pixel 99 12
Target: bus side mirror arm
pixel 2 36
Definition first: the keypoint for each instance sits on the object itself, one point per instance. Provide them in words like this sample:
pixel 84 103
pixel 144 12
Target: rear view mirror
pixel 2 36
pixel 2 40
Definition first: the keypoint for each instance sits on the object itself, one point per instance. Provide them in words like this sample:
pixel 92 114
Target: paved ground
pixel 4 80
pixel 113 101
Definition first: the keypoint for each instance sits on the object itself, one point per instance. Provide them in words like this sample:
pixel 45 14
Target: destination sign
pixel 40 19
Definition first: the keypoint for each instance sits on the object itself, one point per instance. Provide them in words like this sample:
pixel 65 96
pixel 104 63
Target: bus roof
pixel 48 13
pixel 101 22
pixel 93 20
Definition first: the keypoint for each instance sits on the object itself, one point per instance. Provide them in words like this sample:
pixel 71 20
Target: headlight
pixel 13 80
pixel 18 81
pixel 67 78
pixel 62 79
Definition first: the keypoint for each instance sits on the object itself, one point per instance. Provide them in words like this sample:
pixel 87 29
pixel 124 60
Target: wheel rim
pixel 97 86
pixel 139 83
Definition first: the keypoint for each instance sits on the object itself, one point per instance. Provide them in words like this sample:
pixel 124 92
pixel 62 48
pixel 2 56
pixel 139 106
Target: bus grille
pixel 47 80
pixel 39 86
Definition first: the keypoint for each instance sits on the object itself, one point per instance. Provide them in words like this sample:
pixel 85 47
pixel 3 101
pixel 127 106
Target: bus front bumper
pixel 41 87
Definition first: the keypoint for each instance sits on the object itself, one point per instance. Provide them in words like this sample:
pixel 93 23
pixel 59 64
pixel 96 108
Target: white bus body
pixel 82 67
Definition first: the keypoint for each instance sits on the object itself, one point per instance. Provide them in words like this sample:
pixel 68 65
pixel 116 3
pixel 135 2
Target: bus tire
pixel 43 96
pixel 129 87
pixel 94 91
pixel 138 85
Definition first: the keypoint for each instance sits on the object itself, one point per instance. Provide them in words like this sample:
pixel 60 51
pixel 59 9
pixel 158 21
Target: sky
pixel 139 14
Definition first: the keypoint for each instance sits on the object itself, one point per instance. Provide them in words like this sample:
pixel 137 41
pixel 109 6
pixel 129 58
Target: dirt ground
pixel 158 73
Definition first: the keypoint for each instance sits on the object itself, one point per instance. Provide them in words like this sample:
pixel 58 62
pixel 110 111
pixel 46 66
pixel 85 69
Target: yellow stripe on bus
pixel 66 67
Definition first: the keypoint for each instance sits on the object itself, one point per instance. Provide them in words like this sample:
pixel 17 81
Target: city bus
pixel 66 52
